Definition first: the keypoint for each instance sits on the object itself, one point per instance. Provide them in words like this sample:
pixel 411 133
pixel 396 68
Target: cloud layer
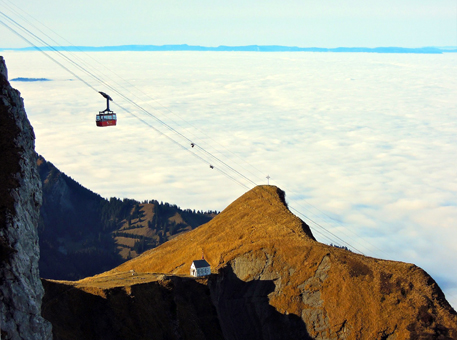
pixel 363 144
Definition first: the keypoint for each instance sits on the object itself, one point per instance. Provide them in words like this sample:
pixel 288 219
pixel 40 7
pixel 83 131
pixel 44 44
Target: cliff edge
pixel 21 290
pixel 256 242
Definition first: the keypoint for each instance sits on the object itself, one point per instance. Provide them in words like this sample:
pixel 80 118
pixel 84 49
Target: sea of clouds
pixel 363 144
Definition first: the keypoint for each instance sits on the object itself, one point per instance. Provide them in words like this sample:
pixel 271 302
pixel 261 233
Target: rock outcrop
pixel 272 280
pixel 21 290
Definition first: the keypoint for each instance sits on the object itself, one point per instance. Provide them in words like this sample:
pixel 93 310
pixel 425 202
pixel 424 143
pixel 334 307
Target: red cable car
pixel 106 117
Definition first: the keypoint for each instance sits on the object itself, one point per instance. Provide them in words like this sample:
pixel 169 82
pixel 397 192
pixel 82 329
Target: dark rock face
pixel 21 290
pixel 245 312
pixel 172 308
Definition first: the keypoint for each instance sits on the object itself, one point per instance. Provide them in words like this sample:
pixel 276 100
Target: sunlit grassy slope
pixel 332 290
pixel 259 219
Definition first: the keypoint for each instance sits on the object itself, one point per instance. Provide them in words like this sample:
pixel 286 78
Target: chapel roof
pixel 201 263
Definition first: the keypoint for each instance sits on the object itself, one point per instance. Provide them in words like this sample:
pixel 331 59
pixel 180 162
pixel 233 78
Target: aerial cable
pixel 141 108
pixel 82 61
pixel 103 82
pixel 320 226
pixel 181 146
pixel 52 48
pixel 344 229
pixel 109 86
pixel 89 73
pixel 67 58
pixel 332 221
pixel 314 230
pixel 308 218
pixel 201 132
pixel 160 132
pixel 71 72
pixel 228 166
pixel 144 110
pixel 42 51
pixel 305 216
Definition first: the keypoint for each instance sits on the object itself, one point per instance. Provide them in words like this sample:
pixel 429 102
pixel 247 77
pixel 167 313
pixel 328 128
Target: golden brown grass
pixel 257 220
pixel 258 227
pixel 98 285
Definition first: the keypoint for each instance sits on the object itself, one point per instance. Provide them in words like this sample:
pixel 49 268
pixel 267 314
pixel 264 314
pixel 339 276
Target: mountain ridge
pixel 249 204
pixel 272 280
pixel 246 48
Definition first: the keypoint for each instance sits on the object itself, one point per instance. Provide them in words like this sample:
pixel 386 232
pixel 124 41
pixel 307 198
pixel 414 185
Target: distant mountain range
pixel 249 48
pixel 30 79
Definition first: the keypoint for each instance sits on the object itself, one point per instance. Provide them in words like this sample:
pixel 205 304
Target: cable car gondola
pixel 106 117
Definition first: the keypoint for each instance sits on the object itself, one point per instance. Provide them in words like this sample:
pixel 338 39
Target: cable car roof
pixel 105 95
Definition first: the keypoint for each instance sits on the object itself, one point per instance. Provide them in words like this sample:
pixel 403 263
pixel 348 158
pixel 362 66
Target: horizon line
pixel 243 48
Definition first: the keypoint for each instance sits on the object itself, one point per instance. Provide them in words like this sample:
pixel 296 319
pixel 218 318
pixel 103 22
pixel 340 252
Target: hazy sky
pixel 329 23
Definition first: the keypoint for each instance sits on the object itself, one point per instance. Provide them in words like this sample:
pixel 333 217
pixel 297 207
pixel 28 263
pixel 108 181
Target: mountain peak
pixel 271 280
pixel 258 219
pixel 266 205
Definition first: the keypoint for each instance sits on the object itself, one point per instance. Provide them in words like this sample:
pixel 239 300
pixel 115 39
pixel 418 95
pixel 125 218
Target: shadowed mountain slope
pixel 272 280
pixel 82 233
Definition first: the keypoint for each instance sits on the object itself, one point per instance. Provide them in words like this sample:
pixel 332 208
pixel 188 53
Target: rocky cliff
pixel 271 280
pixel 21 290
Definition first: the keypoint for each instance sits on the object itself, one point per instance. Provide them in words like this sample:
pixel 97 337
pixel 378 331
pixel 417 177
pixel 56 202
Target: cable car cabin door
pixel 106 119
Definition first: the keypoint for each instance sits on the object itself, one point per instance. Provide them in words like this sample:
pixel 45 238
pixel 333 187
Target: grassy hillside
pixel 82 233
pixel 263 256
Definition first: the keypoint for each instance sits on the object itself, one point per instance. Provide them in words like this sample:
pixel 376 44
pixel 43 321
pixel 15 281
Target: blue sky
pixel 330 23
